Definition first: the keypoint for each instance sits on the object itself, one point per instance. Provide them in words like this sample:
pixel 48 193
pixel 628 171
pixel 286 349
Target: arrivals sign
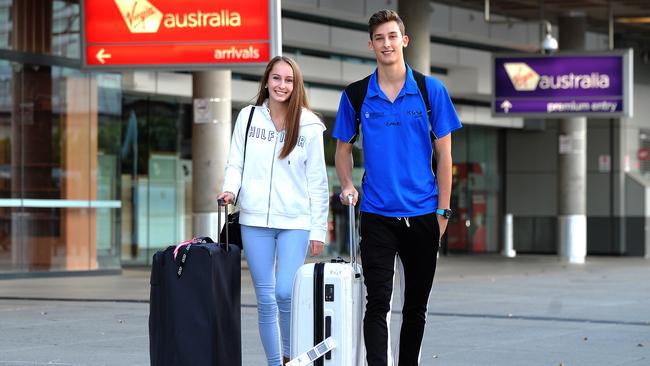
pixel 586 84
pixel 179 34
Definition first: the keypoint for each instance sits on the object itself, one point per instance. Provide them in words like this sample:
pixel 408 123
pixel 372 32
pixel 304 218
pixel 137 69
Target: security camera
pixel 549 44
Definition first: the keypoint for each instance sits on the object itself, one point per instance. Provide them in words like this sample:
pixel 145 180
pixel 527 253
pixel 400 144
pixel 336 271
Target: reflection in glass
pixel 59 132
pixel 156 175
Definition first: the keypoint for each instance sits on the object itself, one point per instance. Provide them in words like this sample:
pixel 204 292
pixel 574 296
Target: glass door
pixel 155 175
pixel 476 193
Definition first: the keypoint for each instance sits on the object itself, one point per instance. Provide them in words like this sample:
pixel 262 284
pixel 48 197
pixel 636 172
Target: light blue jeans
pixel 273 290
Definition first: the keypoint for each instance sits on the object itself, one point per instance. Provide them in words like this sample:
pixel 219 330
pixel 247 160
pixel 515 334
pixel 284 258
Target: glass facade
pixel 59 136
pixel 95 176
pixel 59 145
pixel 156 178
pixel 476 191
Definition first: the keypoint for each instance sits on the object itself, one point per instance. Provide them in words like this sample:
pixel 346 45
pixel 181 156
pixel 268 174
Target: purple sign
pixel 577 85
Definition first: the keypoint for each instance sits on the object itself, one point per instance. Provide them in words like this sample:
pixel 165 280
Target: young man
pixel 405 205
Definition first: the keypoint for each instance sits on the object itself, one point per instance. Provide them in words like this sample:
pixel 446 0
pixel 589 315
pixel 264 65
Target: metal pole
pixel 508 233
pixel 610 28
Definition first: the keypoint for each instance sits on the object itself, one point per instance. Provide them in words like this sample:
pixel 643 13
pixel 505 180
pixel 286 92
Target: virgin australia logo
pixel 140 15
pixel 524 78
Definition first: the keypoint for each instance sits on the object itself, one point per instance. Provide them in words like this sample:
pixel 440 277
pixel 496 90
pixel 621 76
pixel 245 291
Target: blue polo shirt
pixel 397 148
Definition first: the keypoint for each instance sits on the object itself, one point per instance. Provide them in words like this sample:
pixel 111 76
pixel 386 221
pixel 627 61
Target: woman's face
pixel 280 82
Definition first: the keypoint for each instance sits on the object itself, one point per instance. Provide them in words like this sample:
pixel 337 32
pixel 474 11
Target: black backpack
pixel 356 93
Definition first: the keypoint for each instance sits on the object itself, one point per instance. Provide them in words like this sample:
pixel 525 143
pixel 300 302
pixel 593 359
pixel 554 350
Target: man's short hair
pixel 384 16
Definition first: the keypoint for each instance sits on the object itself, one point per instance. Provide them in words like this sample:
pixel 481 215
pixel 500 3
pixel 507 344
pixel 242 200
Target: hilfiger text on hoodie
pixel 263 134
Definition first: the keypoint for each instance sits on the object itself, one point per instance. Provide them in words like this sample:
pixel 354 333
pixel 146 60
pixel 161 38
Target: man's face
pixel 388 43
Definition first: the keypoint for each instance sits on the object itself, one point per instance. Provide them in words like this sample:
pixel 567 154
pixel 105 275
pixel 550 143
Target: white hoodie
pixel 289 193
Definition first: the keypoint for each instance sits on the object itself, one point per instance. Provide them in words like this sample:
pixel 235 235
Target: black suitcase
pixel 195 305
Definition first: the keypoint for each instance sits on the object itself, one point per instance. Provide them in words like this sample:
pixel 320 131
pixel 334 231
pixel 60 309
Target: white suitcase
pixel 337 312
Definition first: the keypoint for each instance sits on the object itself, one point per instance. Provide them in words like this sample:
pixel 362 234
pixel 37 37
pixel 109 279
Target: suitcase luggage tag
pixel 313 354
pixel 195 240
pixel 189 243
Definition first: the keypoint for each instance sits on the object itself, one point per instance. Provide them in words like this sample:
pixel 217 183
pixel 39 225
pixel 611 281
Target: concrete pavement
pixel 484 310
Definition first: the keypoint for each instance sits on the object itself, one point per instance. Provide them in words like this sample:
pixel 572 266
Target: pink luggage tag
pixel 178 247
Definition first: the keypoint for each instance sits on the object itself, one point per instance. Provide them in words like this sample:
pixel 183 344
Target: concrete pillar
pixel 211 133
pixel 415 14
pixel 572 159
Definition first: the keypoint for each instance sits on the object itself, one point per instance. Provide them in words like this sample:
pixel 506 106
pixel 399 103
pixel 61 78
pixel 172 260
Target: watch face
pixel 447 214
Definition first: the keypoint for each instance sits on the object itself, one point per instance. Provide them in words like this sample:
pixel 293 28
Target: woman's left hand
pixel 316 247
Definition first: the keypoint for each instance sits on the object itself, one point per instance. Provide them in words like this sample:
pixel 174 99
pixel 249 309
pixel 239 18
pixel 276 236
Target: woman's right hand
pixel 227 197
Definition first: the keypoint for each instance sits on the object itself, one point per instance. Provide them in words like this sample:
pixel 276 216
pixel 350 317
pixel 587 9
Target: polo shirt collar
pixel 410 85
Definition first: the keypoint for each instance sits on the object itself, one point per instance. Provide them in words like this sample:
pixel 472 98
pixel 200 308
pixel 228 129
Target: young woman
pixel 283 195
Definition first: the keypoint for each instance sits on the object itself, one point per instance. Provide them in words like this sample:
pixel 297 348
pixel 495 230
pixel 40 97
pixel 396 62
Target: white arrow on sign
pixel 506 105
pixel 101 56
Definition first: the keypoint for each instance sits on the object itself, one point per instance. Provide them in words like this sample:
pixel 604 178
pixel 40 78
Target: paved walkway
pixel 484 310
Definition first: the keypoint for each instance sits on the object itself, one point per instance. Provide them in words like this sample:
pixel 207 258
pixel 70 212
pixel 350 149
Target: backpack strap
pixel 420 79
pixel 356 93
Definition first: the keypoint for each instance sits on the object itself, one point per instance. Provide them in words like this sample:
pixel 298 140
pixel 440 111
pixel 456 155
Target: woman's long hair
pixel 297 101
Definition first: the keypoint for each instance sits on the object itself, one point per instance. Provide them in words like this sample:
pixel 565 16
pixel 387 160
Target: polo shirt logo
pixel 414 113
pixel 393 124
pixel 373 114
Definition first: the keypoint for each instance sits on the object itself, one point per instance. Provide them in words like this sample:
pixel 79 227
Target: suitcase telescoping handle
pixel 222 202
pixel 352 231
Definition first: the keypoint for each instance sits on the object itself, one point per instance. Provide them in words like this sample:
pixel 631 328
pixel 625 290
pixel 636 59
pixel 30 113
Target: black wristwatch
pixel 444 212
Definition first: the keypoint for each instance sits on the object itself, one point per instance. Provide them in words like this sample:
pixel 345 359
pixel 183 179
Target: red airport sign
pixel 185 34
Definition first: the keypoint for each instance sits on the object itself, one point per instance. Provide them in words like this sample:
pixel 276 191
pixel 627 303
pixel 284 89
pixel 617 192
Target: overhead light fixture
pixel 633 20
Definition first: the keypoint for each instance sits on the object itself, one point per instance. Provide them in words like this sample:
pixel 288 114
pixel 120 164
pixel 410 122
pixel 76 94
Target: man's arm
pixel 443 176
pixel 344 163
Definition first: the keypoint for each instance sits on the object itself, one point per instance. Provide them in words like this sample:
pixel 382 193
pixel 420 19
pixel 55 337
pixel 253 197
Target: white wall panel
pixel 354 8
pixel 313 3
pixel 468 22
pixel 534 37
pixel 481 61
pixel 466 113
pixel 443 55
pixel 324 100
pixel 440 17
pixel 443 79
pixel 139 81
pixel 171 83
pixel 297 31
pixel 320 69
pixel 641 117
pixel 374 5
pixel 355 41
pixel 596 42
pixel 354 71
pixel 243 92
pixel 483 116
pixel 514 32
pixel 462 81
pixel 475 58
